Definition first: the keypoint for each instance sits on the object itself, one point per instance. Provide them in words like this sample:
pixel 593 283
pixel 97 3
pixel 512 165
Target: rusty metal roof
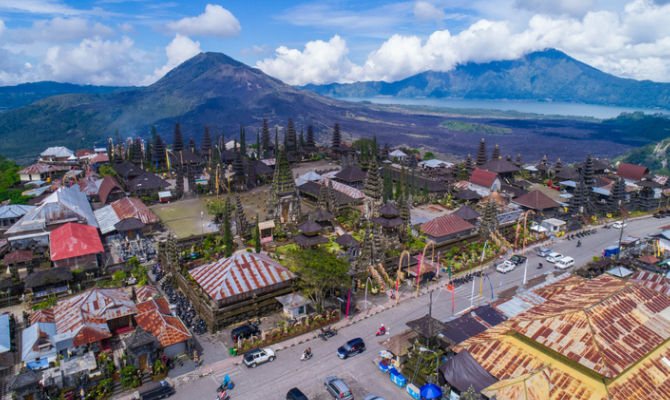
pixel 241 273
pixel 154 316
pixel 41 168
pixel 129 207
pixel 558 287
pixel 647 380
pixel 85 315
pixel 651 280
pixel 342 188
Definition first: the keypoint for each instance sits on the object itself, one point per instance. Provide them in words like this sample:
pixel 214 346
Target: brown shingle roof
pixel 352 173
pixel 446 225
pixel 631 171
pixel 154 316
pixel 107 185
pixel 483 177
pixel 388 210
pixel 17 256
pixel 347 241
pixel 466 213
pixel 147 181
pixel 500 166
pixel 536 200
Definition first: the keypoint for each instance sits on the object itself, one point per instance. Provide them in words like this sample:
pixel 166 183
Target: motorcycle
pixel 327 333
pixel 305 356
pixel 381 331
pixel 223 395
pixel 226 385
pixel 579 243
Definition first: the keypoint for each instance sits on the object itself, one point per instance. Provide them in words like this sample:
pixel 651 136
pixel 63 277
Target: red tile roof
pixel 446 225
pixel 85 316
pixel 99 158
pixel 483 177
pixel 130 207
pixel 74 240
pixel 536 200
pixel 239 274
pixel 631 171
pixel 154 316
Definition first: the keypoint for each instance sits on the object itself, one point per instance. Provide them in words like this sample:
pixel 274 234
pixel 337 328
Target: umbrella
pixel 430 391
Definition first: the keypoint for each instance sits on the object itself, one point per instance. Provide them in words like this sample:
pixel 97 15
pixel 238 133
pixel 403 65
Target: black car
pixel 158 390
pixel 352 347
pixel 295 394
pixel 517 259
pixel 244 332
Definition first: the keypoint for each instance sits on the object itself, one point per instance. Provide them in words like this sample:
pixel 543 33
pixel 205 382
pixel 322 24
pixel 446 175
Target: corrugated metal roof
pixel 647 380
pixel 74 240
pixel 107 218
pixel 651 280
pixel 146 292
pixel 66 203
pixel 57 151
pixel 129 207
pixel 154 316
pixel 41 168
pixel 85 315
pixel 14 210
pixel 342 188
pixel 37 341
pixel 239 274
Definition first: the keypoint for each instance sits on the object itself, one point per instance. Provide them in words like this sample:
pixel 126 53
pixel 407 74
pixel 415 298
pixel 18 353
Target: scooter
pixel 381 331
pixel 579 243
pixel 539 266
pixel 223 395
pixel 306 356
pixel 226 385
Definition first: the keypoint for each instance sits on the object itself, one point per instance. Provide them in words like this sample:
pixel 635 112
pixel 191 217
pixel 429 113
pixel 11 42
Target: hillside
pixel 12 97
pixel 213 89
pixel 548 75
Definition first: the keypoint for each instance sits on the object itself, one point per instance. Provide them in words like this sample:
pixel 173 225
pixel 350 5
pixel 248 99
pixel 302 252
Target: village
pixel 142 261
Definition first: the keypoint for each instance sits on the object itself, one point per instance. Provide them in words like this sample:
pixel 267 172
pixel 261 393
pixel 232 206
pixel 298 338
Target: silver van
pixel 338 389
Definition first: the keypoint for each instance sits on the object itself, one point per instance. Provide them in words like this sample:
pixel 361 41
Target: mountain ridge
pixel 16 96
pixel 547 75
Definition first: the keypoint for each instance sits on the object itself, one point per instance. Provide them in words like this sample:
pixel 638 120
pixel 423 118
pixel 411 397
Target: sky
pixel 135 42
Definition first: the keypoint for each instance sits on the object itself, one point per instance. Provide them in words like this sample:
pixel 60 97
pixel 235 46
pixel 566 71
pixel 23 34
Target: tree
pixel 481 153
pixel 227 232
pixel 388 186
pixel 318 271
pixel 107 170
pixel 178 143
pixel 257 236
pixel 428 156
pixel 336 140
pixel 217 208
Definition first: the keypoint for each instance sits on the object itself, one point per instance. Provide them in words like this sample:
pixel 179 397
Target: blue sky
pixel 135 42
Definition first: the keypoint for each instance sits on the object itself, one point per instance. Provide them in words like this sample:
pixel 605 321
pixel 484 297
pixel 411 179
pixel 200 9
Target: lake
pixel 535 107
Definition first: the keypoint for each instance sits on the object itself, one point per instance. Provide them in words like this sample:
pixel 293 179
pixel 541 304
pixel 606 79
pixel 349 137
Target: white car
pixel 619 225
pixel 565 263
pixel 258 356
pixel 553 257
pixel 505 267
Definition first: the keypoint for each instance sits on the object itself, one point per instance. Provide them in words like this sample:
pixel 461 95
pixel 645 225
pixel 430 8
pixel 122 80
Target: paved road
pixel 273 380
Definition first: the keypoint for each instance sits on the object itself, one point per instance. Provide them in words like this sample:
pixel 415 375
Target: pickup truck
pixel 505 267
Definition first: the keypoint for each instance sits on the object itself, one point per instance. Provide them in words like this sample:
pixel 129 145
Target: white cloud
pixel 319 62
pixel 634 42
pixel 58 30
pixel 426 11
pixel 2 27
pixel 216 21
pixel 180 49
pixel 37 7
pixel 94 61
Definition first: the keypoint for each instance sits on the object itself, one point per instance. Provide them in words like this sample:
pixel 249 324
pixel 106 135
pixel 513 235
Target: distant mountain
pixel 213 89
pixel 21 95
pixel 548 75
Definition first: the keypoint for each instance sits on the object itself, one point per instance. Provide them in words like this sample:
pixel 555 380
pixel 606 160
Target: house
pixel 40 345
pixel 57 154
pixel 19 262
pixel 397 155
pixel 50 282
pixel 446 228
pixel 553 225
pixel 40 172
pixel 243 280
pixel 631 172
pixel 90 318
pixel 537 201
pixel 435 164
pixel 127 171
pixel 505 169
pixel 110 190
pixel 467 214
pixel 97 160
pixel 294 305
pixel 267 230
pixel 155 317
pixel 11 213
pixel 141 349
pixel 484 182
pixel 76 246
pixel 147 184
pixel 603 338
pixel 26 386
pixel 128 215
pixel 67 204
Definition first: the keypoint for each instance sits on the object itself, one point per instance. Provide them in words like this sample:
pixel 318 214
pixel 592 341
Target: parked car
pixel 157 390
pixel 517 259
pixel 258 356
pixel 543 251
pixel 619 225
pixel 337 388
pixel 565 263
pixel 553 257
pixel 295 394
pixel 352 347
pixel 505 267
pixel 244 332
